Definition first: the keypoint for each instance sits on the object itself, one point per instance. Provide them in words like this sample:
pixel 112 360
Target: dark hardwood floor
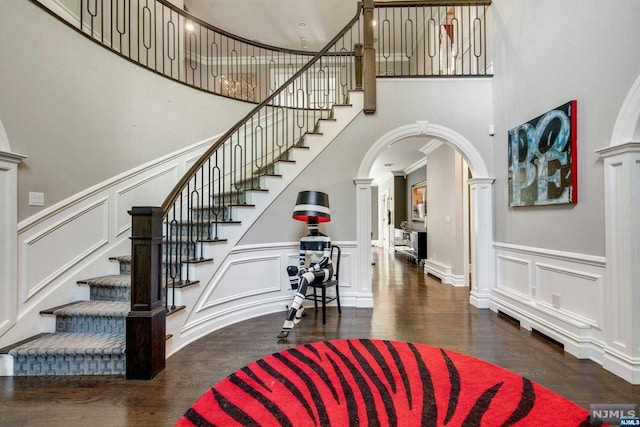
pixel 409 306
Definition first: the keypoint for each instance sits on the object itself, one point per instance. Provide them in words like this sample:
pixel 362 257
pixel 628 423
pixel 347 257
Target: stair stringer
pixel 200 316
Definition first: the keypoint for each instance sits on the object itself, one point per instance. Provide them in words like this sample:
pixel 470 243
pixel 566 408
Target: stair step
pixel 94 308
pixel 71 353
pixel 218 207
pixel 214 240
pixel 116 287
pixel 92 317
pixel 124 262
pixel 7 349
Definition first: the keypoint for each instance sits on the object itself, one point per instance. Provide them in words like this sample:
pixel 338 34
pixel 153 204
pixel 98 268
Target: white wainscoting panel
pixel 514 275
pixel 559 294
pixel 572 293
pixel 251 281
pixel 242 278
pixel 74 238
pixel 147 191
pixel 50 253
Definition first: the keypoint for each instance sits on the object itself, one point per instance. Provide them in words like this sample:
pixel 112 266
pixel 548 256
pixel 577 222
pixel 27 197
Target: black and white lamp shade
pixel 312 204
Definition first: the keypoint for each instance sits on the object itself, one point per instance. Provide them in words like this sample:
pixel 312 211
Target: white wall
pixel 550 266
pixel 83 114
pixel 548 52
pixel 445 242
pixel 385 186
pixel 463 105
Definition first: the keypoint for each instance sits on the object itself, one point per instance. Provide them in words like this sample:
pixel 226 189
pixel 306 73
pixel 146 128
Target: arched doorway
pixel 481 208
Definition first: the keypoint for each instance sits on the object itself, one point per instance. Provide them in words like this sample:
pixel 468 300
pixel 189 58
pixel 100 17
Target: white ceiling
pixel 278 23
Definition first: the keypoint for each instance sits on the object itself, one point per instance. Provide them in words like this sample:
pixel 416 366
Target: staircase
pixel 89 337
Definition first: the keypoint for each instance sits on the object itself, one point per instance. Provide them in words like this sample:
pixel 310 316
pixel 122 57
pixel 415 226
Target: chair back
pixel 336 254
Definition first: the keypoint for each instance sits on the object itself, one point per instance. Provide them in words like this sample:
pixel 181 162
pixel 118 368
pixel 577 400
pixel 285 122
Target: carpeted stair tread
pixel 114 280
pixel 72 343
pixel 122 258
pixel 95 308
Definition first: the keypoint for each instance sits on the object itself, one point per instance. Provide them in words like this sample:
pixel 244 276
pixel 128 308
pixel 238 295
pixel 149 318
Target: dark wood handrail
pixel 232 36
pixel 417 3
pixel 177 190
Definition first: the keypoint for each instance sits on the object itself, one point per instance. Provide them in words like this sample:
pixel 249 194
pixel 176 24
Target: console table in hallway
pixel 411 243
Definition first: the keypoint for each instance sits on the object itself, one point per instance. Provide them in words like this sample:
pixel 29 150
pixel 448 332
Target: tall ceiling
pixel 279 23
pixel 283 23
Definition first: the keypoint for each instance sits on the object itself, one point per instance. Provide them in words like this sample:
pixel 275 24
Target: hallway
pixel 409 306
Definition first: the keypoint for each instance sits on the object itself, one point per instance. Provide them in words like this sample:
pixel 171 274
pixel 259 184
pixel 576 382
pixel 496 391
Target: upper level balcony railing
pixel 431 38
pixel 435 38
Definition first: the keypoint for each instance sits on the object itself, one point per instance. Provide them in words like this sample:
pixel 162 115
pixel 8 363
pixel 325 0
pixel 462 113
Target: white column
pixel 8 239
pixel 482 257
pixel 622 232
pixel 364 296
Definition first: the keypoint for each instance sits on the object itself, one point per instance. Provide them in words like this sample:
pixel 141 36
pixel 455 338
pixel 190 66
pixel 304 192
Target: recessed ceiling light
pixel 189 26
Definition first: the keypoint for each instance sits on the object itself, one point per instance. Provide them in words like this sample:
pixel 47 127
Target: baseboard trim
pixel 444 273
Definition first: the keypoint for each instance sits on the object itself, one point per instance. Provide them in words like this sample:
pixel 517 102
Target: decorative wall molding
pixel 266 289
pixel 560 294
pixel 249 276
pixel 481 190
pixel 508 267
pixel 47 255
pixel 581 281
pixel 622 234
pixel 142 195
pixel 66 232
pixel 8 241
pixel 122 178
pixel 444 272
pixel 473 157
pixel 627 127
pixel 597 261
pixel 481 230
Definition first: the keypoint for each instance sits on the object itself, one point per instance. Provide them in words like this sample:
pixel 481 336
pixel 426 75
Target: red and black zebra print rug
pixel 378 383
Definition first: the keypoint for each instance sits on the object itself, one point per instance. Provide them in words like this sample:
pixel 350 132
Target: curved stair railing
pixel 166 240
pixel 230 169
pixel 169 41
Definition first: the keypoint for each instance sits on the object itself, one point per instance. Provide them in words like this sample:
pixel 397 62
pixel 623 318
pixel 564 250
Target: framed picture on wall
pixel 543 164
pixel 419 202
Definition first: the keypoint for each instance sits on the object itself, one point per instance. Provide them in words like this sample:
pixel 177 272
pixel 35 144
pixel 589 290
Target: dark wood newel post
pixel 369 59
pixel 358 48
pixel 146 322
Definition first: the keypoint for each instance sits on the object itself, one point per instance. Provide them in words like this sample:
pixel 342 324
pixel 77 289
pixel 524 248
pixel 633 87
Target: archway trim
pixel 627 128
pixel 469 152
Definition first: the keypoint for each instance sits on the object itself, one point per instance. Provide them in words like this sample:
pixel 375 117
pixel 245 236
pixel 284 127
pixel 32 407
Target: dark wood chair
pixel 334 282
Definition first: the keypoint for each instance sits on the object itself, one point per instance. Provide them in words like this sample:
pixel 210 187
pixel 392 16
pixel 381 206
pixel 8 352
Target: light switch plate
pixel 36 199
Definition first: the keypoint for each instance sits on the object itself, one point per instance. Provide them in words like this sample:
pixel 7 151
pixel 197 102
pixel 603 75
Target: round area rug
pixel 378 383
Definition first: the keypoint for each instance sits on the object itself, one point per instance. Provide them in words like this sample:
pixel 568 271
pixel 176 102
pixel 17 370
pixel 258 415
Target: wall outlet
pixel 36 199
